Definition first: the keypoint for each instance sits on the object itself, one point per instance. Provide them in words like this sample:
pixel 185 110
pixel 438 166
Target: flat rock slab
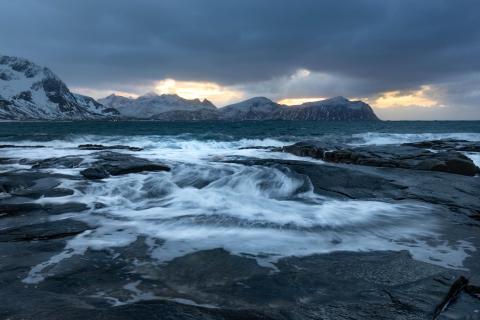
pixel 49 230
pixel 392 156
pixel 102 147
pixel 342 285
pixel 33 184
pixel 60 162
pixel 7 146
pixel 114 164
pixel 13 209
pixel 447 144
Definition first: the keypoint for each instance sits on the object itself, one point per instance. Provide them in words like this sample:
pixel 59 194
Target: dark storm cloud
pixel 385 44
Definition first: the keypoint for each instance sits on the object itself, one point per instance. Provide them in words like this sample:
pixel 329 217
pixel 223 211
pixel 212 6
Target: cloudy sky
pixel 409 59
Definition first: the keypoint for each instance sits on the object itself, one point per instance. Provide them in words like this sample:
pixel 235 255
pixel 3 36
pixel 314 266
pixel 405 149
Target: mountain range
pixel 31 92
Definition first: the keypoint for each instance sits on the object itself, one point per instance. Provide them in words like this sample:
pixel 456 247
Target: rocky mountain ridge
pixel 31 92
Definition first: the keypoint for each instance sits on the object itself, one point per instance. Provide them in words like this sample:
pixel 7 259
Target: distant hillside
pixel 167 107
pixel 338 108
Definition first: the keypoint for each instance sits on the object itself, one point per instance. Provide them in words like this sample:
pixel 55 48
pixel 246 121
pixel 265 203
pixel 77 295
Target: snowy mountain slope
pixel 30 92
pixel 338 108
pixel 161 107
pixel 257 108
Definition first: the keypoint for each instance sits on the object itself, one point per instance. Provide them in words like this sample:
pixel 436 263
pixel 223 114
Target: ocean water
pixel 206 202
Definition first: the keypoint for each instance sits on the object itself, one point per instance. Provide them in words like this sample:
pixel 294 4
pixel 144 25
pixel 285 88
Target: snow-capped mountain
pixel 168 107
pixel 31 92
pixel 258 108
pixel 338 108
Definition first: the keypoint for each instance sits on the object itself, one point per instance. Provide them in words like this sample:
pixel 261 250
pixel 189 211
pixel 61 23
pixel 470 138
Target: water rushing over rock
pixel 227 225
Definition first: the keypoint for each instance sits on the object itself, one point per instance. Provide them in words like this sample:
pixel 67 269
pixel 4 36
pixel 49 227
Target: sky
pixel 409 59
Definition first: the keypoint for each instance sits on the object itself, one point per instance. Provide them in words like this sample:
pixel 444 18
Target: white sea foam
pixel 475 157
pixel 379 138
pixel 206 203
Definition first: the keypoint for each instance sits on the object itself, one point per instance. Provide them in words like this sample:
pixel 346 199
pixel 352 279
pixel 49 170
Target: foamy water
pixel 379 138
pixel 206 203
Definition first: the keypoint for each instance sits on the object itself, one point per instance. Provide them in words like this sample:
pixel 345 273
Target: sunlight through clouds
pixel 424 97
pixel 214 92
pixel 297 101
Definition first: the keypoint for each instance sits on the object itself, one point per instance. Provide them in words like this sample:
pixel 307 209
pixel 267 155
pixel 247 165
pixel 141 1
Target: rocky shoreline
pixel 122 283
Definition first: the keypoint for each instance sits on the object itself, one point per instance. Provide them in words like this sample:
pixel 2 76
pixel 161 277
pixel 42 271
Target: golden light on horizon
pixel 102 93
pixel 297 101
pixel 202 90
pixel 394 99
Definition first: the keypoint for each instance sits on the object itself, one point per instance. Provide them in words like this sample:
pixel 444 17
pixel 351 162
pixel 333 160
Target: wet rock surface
pixel 5 146
pixel 358 182
pixel 58 162
pixel 38 217
pixel 447 144
pixel 102 147
pixel 115 164
pixel 392 156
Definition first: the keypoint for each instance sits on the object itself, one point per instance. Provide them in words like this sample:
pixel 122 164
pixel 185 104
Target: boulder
pixel 392 156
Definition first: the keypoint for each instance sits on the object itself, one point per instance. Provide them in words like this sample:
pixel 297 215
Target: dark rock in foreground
pixel 5 146
pixel 115 164
pixel 13 209
pixel 447 144
pixel 57 162
pixel 50 230
pixel 32 184
pixel 102 147
pixel 391 156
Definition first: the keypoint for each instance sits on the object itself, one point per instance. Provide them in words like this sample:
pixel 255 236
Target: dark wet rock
pixel 154 310
pixel 56 162
pixel 472 290
pixel 112 163
pixel 339 285
pixel 50 230
pixel 48 193
pixel 60 162
pixel 19 208
pixel 457 287
pixel 342 285
pixel 4 146
pixel 234 268
pixel 95 173
pixel 13 209
pixel 8 161
pixel 447 144
pixel 99 205
pixel 102 147
pixel 258 148
pixel 391 156
pixel 33 185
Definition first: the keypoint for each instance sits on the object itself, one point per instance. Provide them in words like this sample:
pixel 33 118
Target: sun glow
pixel 102 93
pixel 392 99
pixel 297 101
pixel 203 90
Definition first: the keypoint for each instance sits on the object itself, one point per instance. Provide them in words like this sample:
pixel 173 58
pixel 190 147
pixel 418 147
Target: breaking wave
pixel 206 202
